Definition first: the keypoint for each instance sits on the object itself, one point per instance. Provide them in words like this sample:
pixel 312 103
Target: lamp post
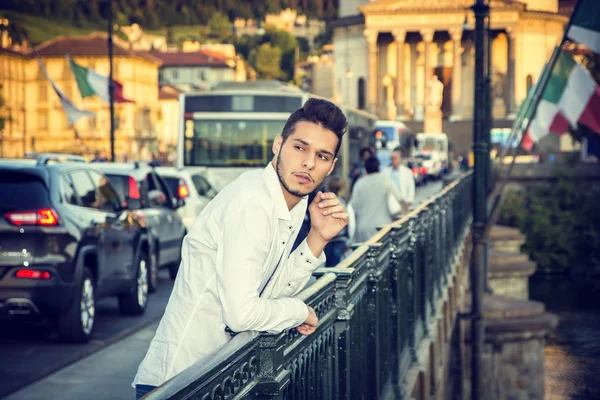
pixel 481 11
pixel 111 87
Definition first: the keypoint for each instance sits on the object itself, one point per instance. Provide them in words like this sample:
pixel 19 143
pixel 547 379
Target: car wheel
pixel 77 324
pixel 134 302
pixel 152 273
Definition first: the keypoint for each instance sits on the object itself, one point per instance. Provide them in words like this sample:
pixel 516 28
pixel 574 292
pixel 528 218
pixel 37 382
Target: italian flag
pixel 571 97
pixel 73 113
pixel 585 24
pixel 91 82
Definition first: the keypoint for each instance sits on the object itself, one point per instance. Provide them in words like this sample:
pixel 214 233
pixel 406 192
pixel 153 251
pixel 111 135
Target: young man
pixel 237 272
pixel 369 202
pixel 402 182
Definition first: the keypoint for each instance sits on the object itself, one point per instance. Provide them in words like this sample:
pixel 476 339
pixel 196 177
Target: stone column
pixel 511 36
pixel 371 36
pixel 456 35
pixel 399 36
pixel 427 35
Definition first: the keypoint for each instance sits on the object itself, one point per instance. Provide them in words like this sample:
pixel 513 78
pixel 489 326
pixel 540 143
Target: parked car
pixel 66 241
pixel 192 187
pixel 432 163
pixel 154 203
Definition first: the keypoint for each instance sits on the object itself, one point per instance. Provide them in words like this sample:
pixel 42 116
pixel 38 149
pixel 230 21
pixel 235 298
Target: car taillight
pixel 423 170
pixel 32 274
pixel 183 190
pixel 134 191
pixel 44 217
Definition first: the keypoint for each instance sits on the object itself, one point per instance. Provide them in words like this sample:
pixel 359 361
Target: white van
pixel 432 148
pixel 388 135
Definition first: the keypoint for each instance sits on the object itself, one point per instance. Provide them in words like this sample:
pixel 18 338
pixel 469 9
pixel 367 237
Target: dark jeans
pixel 334 251
pixel 142 390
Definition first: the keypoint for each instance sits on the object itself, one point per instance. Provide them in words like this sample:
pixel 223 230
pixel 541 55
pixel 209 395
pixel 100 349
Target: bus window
pixel 232 142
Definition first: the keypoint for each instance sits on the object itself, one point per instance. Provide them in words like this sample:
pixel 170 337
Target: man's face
pixel 396 159
pixel 306 157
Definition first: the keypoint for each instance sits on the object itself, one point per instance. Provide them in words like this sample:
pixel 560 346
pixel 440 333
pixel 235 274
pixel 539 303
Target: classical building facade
pixel 37 122
pixel 386 52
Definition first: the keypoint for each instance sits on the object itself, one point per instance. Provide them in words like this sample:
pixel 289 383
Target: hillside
pixel 82 16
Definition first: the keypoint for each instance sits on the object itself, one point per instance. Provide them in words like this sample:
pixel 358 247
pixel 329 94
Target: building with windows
pixel 386 52
pixel 37 122
pixel 197 70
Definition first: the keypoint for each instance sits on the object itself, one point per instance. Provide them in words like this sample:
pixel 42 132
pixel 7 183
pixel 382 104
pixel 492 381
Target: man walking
pixel 237 272
pixel 401 180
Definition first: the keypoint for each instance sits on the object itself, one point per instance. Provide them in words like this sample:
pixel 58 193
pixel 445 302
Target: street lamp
pixel 481 10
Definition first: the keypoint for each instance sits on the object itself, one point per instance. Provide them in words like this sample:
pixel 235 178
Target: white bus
pixel 230 129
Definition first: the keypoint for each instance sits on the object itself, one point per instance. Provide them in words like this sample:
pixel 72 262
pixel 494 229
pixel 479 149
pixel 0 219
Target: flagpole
pixel 544 79
pixel 111 87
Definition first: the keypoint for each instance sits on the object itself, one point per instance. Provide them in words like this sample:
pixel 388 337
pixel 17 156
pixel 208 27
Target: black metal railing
pixel 374 309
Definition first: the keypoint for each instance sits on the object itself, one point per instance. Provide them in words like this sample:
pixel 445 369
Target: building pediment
pixel 395 6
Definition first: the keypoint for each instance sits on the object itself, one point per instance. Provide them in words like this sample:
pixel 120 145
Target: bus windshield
pixel 230 142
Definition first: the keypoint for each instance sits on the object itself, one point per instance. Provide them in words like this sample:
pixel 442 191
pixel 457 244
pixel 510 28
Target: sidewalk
pixel 106 374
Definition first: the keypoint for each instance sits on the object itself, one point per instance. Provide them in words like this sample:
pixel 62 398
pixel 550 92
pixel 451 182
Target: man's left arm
pixel 328 217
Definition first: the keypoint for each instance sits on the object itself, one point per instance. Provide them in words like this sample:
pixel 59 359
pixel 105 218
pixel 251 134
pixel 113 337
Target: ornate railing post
pixel 415 324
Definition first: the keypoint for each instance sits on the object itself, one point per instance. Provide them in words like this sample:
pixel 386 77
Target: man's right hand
pixel 310 324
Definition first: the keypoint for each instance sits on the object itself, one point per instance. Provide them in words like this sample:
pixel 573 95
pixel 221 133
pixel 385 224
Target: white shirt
pixel 403 183
pixel 228 256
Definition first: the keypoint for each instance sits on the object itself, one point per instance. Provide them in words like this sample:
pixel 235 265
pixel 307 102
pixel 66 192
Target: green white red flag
pixel 92 83
pixel 570 97
pixel 585 24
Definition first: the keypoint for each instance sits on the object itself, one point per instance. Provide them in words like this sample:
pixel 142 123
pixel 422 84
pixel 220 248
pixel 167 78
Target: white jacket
pixel 228 256
pixel 402 183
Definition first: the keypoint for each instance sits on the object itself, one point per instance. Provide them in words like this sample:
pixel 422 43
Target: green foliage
pixel 220 28
pixel 156 14
pixel 266 60
pixel 282 40
pixel 560 221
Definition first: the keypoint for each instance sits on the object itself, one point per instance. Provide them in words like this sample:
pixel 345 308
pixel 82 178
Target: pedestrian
pixel 335 249
pixel 369 202
pixel 358 169
pixel 400 181
pixel 237 271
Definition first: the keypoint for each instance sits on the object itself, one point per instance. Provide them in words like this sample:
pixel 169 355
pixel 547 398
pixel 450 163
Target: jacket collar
pixel 276 193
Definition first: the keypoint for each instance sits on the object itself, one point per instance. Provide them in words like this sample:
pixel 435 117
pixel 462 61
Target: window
pixel 361 93
pixel 109 199
pixel 203 187
pixel 84 187
pixel 43 91
pixel 175 74
pixel 68 191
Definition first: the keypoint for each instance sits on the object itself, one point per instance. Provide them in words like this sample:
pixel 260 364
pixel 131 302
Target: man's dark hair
pixel 320 112
pixel 399 150
pixel 372 165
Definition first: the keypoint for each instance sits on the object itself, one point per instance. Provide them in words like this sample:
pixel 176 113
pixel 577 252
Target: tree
pixel 266 60
pixel 220 27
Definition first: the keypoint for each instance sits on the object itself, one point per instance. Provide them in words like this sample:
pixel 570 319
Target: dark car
pixel 66 241
pixel 150 196
pixel 418 170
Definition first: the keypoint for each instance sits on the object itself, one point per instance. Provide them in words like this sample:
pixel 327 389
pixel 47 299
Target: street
pixel 42 368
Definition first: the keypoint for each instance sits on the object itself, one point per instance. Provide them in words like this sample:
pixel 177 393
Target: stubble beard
pixel 280 174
